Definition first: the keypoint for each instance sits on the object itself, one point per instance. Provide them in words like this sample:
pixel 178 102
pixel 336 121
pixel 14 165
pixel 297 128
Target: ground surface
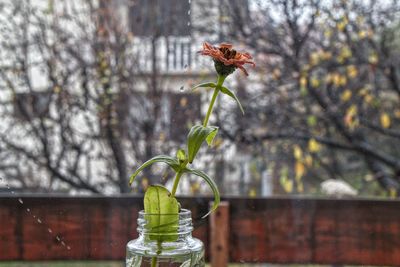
pixel 119 264
pixel 107 264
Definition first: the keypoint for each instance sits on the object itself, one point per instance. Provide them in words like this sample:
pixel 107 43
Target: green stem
pixel 154 262
pixel 220 82
pixel 176 182
pixel 178 175
pixel 154 259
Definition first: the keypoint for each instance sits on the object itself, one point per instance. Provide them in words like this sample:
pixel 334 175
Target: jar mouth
pixel 181 213
pixel 164 224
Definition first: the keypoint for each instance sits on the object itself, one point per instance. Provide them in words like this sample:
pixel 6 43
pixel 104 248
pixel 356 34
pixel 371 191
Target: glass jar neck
pixel 165 226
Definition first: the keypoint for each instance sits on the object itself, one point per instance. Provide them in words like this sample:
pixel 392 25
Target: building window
pixel 160 18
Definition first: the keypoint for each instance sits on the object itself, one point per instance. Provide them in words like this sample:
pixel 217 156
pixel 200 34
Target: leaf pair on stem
pixel 197 135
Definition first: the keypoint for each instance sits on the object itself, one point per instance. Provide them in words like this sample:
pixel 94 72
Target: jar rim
pixel 182 212
pixel 179 223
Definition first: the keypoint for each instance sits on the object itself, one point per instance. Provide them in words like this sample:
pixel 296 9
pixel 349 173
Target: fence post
pixel 219 223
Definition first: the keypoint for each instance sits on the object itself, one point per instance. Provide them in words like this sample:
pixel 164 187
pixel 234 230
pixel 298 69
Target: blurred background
pixel 91 89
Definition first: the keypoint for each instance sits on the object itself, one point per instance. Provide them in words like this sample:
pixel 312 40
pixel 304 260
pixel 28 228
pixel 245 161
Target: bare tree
pixel 72 115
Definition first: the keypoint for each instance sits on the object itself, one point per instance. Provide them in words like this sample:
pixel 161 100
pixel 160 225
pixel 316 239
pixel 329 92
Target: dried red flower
pixel 226 59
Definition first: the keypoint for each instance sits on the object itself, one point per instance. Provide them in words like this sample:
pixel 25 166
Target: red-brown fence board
pixel 275 230
pixel 321 231
pixel 94 228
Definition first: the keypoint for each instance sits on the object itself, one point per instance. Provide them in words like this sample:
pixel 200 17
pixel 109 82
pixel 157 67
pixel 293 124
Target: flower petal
pixel 226 45
pixel 226 55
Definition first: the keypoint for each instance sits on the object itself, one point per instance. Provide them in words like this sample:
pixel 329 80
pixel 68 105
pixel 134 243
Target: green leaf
pixel 181 155
pixel 172 162
pixel 228 92
pixel 211 137
pixel 312 120
pixel 161 214
pixel 210 85
pixel 197 135
pixel 211 183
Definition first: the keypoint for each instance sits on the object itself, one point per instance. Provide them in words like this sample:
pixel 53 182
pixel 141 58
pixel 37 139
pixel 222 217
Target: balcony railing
pixel 173 55
pixel 273 230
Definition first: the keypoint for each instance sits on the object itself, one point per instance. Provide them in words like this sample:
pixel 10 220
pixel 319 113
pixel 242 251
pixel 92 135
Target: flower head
pixel 226 59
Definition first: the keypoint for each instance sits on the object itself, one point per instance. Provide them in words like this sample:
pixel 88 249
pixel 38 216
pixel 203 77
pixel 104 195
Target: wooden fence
pixel 274 230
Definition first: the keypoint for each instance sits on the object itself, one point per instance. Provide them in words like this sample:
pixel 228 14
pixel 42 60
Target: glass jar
pixel 173 246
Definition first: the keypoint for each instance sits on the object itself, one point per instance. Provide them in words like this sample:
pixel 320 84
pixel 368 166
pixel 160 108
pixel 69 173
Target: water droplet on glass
pixel 188 23
pixel 189 12
pixel 68 247
pixel 63 243
pixel 34 216
pixel 58 238
pixel 20 201
pixel 39 220
pixel 12 192
pixel 182 88
pixel 28 210
pixel 49 230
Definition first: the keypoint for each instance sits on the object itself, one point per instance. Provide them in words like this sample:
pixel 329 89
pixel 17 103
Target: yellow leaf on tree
pixel 360 19
pixel 341 25
pixel 363 91
pixel 385 120
pixel 287 186
pixel 352 110
pixel 329 78
pixel 303 81
pixel 297 153
pixel 327 34
pixel 309 160
pixel 299 170
pixel 305 67
pixel 252 193
pixel 368 98
pixel 344 54
pixel 362 34
pixel 342 80
pixel 57 89
pixel 352 71
pixel 350 117
pixel 315 82
pixel 339 80
pixel 103 64
pixel 314 58
pixel 285 182
pixel 336 79
pixel 346 95
pixel 326 55
pixel 373 58
pixel 300 187
pixel 313 145
pixel 392 192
